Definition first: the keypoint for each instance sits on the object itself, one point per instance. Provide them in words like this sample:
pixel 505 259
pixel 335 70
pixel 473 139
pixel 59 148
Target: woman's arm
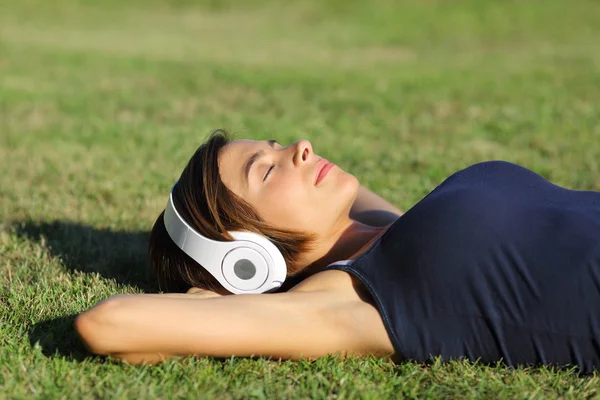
pixel 371 209
pixel 145 328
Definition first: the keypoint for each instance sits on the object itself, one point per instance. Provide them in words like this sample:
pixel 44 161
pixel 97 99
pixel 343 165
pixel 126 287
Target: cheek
pixel 286 205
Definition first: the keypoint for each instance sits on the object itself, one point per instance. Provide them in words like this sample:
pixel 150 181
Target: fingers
pixel 204 293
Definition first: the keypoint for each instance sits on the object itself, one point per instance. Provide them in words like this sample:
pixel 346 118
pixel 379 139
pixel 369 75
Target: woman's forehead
pixel 236 149
pixel 232 158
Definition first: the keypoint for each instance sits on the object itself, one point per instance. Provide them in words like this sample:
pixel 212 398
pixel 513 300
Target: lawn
pixel 103 103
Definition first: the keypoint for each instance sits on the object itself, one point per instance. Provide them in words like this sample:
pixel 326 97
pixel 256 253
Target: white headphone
pixel 249 264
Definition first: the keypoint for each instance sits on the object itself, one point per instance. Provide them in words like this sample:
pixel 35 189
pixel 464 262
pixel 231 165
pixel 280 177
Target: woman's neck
pixel 347 242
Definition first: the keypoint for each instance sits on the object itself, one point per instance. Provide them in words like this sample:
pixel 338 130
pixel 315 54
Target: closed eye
pixel 268 172
pixel 272 166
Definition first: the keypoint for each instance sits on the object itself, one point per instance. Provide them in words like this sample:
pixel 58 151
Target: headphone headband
pixel 249 264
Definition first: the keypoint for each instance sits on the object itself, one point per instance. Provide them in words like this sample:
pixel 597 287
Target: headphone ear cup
pixel 274 261
pixel 245 268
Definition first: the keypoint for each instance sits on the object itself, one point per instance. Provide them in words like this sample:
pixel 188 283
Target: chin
pixel 351 181
pixel 348 190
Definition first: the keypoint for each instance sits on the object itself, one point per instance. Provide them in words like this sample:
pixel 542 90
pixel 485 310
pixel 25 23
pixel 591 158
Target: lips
pixel 323 167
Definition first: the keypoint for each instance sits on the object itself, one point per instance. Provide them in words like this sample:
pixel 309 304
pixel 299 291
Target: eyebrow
pixel 253 158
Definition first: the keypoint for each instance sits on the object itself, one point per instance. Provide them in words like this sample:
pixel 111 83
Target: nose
pixel 303 151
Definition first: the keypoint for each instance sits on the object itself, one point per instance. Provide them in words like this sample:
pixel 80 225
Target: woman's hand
pixel 202 293
pixel 192 293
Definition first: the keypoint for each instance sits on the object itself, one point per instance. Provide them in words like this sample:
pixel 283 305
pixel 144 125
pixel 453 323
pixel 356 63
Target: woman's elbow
pixel 95 326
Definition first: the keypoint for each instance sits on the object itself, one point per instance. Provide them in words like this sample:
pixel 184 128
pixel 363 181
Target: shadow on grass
pixel 118 255
pixel 57 337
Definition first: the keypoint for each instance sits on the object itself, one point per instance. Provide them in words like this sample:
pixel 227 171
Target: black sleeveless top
pixel 495 264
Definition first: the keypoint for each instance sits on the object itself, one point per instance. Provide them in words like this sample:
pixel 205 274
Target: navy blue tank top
pixel 495 264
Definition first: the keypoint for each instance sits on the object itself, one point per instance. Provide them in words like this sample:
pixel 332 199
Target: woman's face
pixel 280 183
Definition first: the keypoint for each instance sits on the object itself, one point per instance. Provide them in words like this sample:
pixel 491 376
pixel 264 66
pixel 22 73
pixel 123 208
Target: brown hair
pixel 209 207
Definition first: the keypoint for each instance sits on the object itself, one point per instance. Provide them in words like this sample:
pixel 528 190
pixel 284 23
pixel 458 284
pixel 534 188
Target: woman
pixel 494 264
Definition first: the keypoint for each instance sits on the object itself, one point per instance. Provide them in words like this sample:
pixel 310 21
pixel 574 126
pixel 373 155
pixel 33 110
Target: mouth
pixel 323 167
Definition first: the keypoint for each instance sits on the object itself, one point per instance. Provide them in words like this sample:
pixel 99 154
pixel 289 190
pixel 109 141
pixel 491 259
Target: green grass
pixel 102 106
